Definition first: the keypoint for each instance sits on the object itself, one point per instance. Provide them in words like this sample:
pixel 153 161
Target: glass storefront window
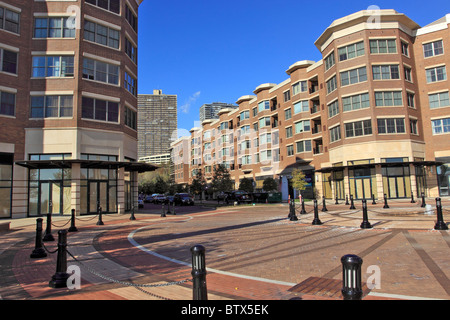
pixel 6 175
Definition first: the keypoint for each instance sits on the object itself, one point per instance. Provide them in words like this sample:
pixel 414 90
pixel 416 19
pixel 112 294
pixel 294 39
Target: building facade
pixel 210 111
pixel 68 115
pixel 372 117
pixel 157 123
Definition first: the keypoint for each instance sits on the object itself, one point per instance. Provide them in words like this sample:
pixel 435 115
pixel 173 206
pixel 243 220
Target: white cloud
pixel 185 107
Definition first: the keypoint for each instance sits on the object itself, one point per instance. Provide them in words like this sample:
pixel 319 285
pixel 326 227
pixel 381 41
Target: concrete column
pixel 19 192
pixel 76 188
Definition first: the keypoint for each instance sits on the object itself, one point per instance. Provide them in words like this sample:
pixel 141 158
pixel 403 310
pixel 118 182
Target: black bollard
pixel 38 251
pixel 373 199
pixel 423 205
pixel 352 205
pixel 385 202
pixel 440 224
pixel 199 273
pixel 346 200
pixel 173 208
pixel 365 223
pixel 316 220
pixel 48 229
pixel 336 202
pixel 132 217
pixel 351 277
pixel 292 214
pixel 163 211
pixel 100 218
pixel 59 279
pixel 303 211
pixel 72 228
pixel 412 198
pixel 324 205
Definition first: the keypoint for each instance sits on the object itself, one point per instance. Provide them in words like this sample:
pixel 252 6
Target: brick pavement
pixel 253 253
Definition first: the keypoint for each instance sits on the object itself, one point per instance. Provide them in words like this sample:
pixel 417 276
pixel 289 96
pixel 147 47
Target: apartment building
pixel 210 111
pixel 372 117
pixel 68 115
pixel 157 123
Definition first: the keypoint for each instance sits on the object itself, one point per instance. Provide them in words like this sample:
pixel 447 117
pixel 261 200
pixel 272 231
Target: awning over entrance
pixel 383 164
pixel 91 164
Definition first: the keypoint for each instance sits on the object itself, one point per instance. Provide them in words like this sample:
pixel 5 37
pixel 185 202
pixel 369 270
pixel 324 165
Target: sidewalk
pixel 253 252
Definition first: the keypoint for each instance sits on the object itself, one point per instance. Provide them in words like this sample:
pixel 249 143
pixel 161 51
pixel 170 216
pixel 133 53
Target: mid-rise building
pixel 68 107
pixel 210 111
pixel 372 117
pixel 157 124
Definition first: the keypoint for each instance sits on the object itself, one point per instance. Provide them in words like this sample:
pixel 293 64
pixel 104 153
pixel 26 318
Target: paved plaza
pixel 252 253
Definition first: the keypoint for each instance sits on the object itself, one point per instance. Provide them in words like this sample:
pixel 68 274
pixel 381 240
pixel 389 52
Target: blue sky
pixel 217 51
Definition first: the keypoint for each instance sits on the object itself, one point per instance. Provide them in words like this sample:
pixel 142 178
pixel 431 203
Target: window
pixel 303 146
pixel 246 159
pixel 263 105
pixel 331 85
pixel 287 114
pixel 7 104
pixel 335 134
pixel 131 18
pixel 388 99
pixel 265 138
pixel 101 35
pixel 53 28
pixel 101 110
pixel 433 49
pixel 302 126
pixel 411 100
pixel 333 109
pixel 329 61
pixel 110 5
pixel 9 20
pixel 383 46
pixel 287 95
pixel 100 71
pixel 288 132
pixel 255 111
pixel 385 72
pixel 51 106
pixel 436 74
pixel 351 51
pixel 130 118
pixel 356 102
pixel 223 126
pixel 301 106
pixel 290 150
pixel 405 49
pixel 353 76
pixel 52 66
pixel 413 126
pixel 266 155
pixel 244 115
pixel 441 126
pixel 264 122
pixel 130 84
pixel 299 87
pixel 408 73
pixel 131 50
pixel 8 61
pixel 358 128
pixel 391 125
pixel 439 100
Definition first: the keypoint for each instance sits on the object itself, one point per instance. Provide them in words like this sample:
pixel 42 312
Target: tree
pixel 270 184
pixel 198 183
pixel 298 180
pixel 221 180
pixel 246 185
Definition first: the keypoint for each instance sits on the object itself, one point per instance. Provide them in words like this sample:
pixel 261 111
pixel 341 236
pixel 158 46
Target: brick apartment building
pixel 372 117
pixel 68 88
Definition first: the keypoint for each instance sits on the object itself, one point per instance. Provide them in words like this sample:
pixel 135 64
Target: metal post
pixel 173 207
pixel 324 205
pixel 373 199
pixel 163 212
pixel 292 214
pixel 199 273
pixel 412 198
pixel 385 202
pixel 423 205
pixel 365 223
pixel 132 217
pixel 59 279
pixel 352 205
pixel 346 200
pixel 440 224
pixel 336 202
pixel 48 229
pixel 38 251
pixel 72 228
pixel 303 211
pixel 351 277
pixel 316 220
pixel 100 220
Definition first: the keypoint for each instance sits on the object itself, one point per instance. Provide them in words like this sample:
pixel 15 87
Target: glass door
pixel 98 196
pixel 50 198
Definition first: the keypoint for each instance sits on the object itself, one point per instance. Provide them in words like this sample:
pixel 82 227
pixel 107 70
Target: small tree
pixel 221 180
pixel 270 184
pixel 198 184
pixel 246 185
pixel 298 180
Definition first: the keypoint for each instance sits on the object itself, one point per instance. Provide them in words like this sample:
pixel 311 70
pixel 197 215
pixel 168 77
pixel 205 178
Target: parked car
pixel 240 196
pixel 159 198
pixel 148 199
pixel 140 203
pixel 169 199
pixel 223 196
pixel 183 199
